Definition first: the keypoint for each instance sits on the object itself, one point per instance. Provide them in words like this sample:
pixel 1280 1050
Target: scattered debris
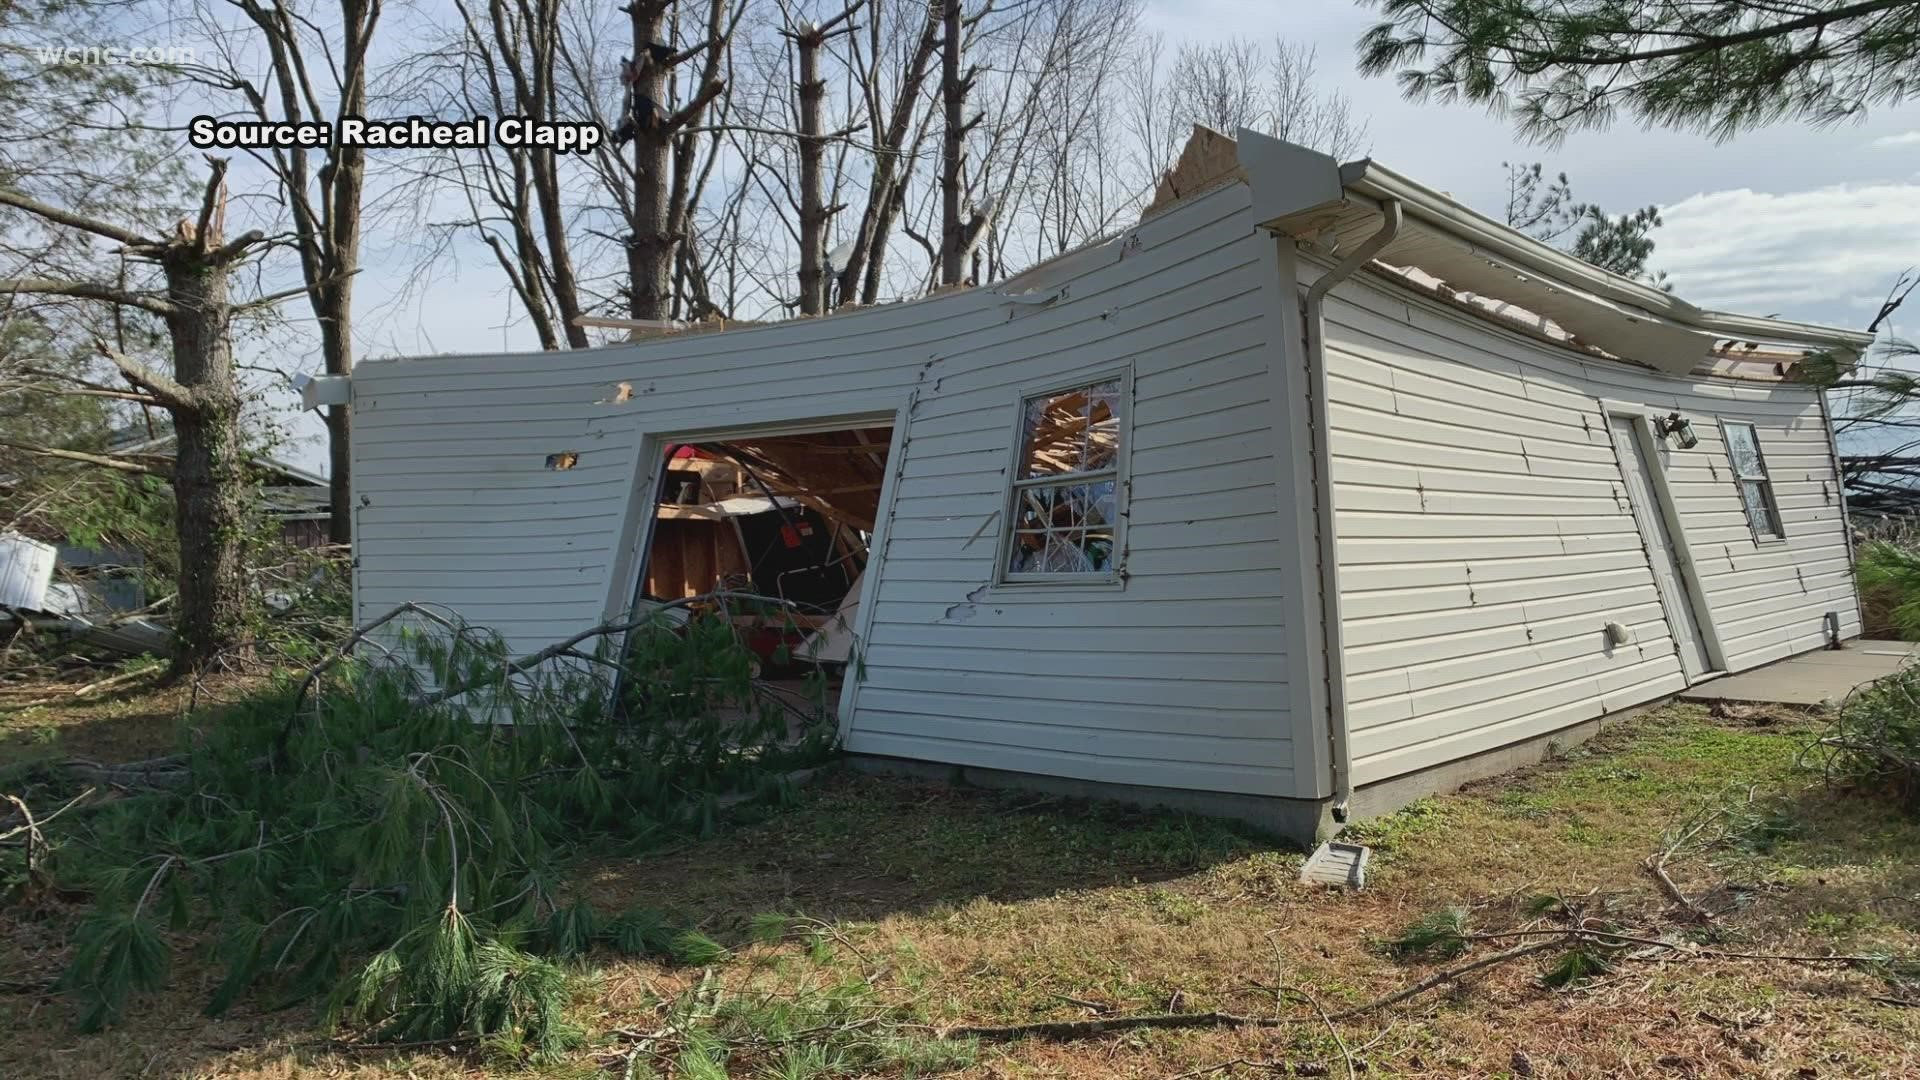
pixel 1338 864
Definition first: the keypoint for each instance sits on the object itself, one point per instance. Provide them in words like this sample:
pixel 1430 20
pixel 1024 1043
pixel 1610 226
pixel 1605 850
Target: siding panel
pixel 1485 536
pixel 1178 679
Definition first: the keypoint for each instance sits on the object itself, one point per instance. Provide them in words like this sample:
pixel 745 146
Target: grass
pixel 910 906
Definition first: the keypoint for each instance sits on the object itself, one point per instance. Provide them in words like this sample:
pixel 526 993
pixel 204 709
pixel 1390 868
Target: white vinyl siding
pixel 1486 538
pixel 1173 677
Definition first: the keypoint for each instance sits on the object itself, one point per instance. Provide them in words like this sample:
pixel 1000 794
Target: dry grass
pixel 999 908
pixel 124 722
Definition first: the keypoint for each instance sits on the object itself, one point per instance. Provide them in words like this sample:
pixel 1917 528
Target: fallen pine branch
pixel 1656 865
pixel 160 772
pixel 1445 976
pixel 32 826
pixel 1070 1030
pixel 90 689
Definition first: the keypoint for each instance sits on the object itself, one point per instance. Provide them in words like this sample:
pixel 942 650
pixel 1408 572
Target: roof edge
pixel 1368 177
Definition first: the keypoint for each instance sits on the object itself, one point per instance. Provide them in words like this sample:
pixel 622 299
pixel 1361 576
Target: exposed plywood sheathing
pixel 692 555
pixel 1208 161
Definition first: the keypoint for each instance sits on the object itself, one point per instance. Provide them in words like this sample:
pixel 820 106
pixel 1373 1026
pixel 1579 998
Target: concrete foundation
pixel 1303 822
pixel 1300 822
pixel 1808 679
pixel 1383 798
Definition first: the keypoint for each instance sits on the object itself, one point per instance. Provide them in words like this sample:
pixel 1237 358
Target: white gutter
pixel 1512 247
pixel 1340 740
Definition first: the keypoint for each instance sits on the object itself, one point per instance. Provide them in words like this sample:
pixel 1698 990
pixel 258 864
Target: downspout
pixel 1846 516
pixel 1329 533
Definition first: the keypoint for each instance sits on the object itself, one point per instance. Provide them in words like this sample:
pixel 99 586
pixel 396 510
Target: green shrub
pixel 1890 588
pixel 1874 740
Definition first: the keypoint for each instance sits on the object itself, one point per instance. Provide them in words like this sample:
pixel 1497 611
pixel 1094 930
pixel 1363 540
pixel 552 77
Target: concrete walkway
pixel 1810 678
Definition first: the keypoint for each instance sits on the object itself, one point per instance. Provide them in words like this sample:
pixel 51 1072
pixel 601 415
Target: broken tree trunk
pixel 209 472
pixel 953 98
pixel 815 214
pixel 811 92
pixel 657 219
pixel 201 397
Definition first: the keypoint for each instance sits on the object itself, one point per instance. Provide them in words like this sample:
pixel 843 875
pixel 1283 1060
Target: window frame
pixel 1764 480
pixel 1114 576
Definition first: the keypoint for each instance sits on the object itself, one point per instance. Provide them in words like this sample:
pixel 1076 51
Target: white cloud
pixel 1888 142
pixel 1800 254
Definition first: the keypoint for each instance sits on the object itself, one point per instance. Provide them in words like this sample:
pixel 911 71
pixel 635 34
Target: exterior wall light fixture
pixel 1678 426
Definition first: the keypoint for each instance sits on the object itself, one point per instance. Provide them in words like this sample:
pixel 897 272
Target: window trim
pixel 1765 480
pixel 1114 576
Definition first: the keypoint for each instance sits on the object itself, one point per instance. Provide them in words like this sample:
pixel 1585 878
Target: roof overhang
pixel 1333 208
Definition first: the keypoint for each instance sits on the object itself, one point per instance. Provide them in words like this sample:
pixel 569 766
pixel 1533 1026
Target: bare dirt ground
pixel 926 907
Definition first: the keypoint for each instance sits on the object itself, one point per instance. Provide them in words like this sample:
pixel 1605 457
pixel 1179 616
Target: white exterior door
pixel 1663 556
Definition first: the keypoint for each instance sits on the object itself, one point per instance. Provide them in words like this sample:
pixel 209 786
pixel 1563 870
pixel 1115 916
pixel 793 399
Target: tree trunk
pixel 650 247
pixel 813 211
pixel 877 249
pixel 209 477
pixel 201 396
pixel 953 96
pixel 889 173
pixel 543 32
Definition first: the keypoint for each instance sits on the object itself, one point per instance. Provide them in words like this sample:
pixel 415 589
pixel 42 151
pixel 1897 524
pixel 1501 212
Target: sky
pixel 1791 221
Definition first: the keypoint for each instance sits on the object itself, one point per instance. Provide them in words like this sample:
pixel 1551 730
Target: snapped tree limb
pixel 85 290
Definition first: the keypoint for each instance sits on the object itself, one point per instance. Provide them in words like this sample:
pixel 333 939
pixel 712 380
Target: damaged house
pixel 1312 492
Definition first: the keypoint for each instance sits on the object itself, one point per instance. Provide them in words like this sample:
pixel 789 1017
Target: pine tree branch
pixel 235 248
pixel 287 294
pixel 73 384
pixel 170 394
pixel 119 464
pixel 1705 43
pixel 72 220
pixel 86 290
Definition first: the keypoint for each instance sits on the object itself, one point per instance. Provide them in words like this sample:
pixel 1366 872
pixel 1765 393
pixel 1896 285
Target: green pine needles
pixel 398 853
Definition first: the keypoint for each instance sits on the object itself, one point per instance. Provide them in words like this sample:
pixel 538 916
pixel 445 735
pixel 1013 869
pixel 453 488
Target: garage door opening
pixel 774 531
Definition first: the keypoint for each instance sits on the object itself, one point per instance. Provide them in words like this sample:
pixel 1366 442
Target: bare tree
pixel 664 151
pixel 891 119
pixel 1240 84
pixel 322 187
pixel 1220 85
pixel 956 235
pixel 511 67
pixel 1299 112
pixel 810 40
pixel 1053 141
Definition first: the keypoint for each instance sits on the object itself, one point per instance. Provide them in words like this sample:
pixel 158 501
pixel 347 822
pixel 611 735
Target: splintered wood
pixel 1209 160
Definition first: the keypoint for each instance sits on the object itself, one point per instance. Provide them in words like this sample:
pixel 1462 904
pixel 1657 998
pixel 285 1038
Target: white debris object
pixel 1337 863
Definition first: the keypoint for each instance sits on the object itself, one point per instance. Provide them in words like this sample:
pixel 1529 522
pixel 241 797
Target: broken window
pixel 1750 473
pixel 1066 487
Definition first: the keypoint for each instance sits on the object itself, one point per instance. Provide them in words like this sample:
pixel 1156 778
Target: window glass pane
pixel 1753 495
pixel 1744 451
pixel 1072 431
pixel 1063 529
